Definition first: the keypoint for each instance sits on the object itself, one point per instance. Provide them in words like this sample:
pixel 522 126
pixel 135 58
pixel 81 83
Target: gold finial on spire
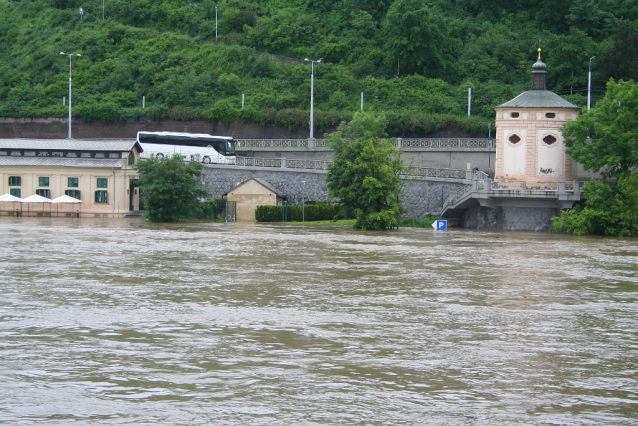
pixel 539 53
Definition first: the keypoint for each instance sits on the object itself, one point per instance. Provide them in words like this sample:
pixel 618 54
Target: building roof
pixel 263 183
pixel 538 99
pixel 101 163
pixel 120 145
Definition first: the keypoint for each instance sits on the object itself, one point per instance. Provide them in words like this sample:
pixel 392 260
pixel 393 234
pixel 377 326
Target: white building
pixel 529 143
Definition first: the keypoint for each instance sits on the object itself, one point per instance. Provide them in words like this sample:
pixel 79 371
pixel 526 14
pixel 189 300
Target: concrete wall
pixel 509 218
pixel 419 157
pixel 421 196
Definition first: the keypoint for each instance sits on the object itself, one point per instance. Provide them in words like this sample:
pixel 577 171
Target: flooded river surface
pixel 119 322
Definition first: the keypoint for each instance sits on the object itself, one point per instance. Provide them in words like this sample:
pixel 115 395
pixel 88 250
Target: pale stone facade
pixel 530 147
pixel 99 173
pixel 250 194
pixel 529 142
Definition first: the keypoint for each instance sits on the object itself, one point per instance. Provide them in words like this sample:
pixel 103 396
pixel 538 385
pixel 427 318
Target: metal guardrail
pixel 402 143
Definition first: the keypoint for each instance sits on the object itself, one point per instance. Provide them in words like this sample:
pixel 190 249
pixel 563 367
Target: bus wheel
pixel 159 156
pixel 207 160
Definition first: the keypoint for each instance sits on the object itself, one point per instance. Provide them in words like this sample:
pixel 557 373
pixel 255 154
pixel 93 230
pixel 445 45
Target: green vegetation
pixel 336 222
pixel 609 210
pixel 365 175
pixel 316 212
pixel 605 140
pixel 169 188
pixel 413 59
pixel 426 222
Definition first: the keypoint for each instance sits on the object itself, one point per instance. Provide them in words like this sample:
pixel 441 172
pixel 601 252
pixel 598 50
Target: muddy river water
pixel 118 322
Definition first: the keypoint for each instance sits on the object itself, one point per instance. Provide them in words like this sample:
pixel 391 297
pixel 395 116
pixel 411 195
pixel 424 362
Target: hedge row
pixel 296 214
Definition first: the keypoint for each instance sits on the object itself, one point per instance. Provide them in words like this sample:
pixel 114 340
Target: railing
pixel 429 172
pixel 456 196
pixel 449 143
pixel 258 162
pixel 308 164
pixel 272 143
pixel 445 143
pixel 529 186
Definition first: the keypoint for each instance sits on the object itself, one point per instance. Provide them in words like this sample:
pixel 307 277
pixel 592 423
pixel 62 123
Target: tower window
pixel 549 140
pixel 514 139
pixel 550 115
pixel 514 115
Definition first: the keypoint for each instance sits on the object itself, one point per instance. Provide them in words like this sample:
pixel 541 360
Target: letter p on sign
pixel 440 225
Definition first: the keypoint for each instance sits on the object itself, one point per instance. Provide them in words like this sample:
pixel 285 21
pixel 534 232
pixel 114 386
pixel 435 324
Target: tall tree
pixel 605 139
pixel 621 60
pixel 170 188
pixel 366 171
pixel 418 40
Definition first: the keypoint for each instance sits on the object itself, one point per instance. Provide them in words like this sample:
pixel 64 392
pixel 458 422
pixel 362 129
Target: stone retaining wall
pixel 509 218
pixel 421 196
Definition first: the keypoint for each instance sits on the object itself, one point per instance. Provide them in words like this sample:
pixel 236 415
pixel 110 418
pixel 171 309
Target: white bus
pixel 200 147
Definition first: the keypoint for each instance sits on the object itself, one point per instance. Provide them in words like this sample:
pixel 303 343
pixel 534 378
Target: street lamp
pixel 303 200
pixel 70 55
pixel 312 96
pixel 589 88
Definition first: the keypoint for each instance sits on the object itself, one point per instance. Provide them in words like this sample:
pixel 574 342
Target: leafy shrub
pixel 296 213
pixel 224 112
pixel 426 222
pixel 107 112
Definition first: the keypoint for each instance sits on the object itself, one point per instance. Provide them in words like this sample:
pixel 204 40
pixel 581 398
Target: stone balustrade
pixel 290 163
pixel 401 143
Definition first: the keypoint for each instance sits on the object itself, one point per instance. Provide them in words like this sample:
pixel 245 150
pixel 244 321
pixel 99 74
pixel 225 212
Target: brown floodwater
pixel 118 322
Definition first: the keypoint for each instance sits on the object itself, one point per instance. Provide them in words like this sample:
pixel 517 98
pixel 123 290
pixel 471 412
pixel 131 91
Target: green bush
pixel 426 222
pixel 296 213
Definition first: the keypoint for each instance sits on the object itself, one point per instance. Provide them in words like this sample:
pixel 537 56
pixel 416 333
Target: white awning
pixel 65 199
pixel 9 197
pixel 35 198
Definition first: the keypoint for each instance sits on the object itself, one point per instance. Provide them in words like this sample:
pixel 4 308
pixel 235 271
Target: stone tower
pixel 529 143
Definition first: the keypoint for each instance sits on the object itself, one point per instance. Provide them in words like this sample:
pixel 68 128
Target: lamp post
pixel 215 23
pixel 70 55
pixel 312 96
pixel 589 87
pixel 303 200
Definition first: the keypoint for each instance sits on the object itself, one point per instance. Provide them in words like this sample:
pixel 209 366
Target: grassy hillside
pixel 414 60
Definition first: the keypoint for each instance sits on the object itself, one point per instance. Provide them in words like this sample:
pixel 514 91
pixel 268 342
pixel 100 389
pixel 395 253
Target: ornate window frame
pixel 552 134
pixel 514 144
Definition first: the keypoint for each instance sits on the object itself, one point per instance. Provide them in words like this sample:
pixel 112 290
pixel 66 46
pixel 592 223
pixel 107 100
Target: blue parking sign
pixel 440 225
